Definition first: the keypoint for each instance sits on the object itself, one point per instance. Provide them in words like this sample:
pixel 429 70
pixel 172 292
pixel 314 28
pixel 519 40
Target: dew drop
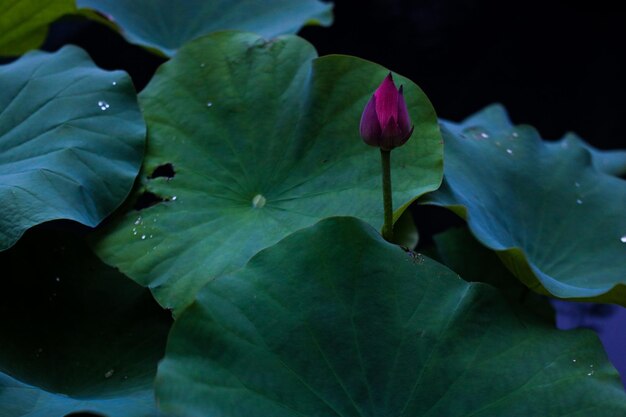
pixel 174 198
pixel 590 373
pixel 577 184
pixel 114 83
pixel 579 201
pixel 103 105
pixel 138 220
pixel 509 151
pixel 143 237
pixel 515 134
pixel 574 360
pixel 258 201
pixel 209 104
pixel 57 279
pixel 623 239
pixel 109 373
pixel 475 132
pixel 202 65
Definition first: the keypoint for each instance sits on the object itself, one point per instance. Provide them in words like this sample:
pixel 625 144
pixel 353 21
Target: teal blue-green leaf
pixel 24 23
pixel 611 162
pixel 263 140
pixel 165 25
pixel 76 334
pixel 352 326
pixel 22 400
pixel 556 221
pixel 71 141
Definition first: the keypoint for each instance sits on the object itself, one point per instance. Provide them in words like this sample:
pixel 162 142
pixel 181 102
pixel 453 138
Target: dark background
pixel 557 66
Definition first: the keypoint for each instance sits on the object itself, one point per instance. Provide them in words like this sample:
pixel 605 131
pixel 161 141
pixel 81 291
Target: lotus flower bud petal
pixel 386 101
pixel 404 120
pixel 385 121
pixel 370 127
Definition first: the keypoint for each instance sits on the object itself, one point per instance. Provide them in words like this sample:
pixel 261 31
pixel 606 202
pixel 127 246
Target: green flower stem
pixel 388 204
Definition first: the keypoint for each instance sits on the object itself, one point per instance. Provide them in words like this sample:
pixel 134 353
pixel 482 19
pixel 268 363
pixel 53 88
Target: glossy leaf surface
pixel 248 142
pixel 71 141
pixel 556 220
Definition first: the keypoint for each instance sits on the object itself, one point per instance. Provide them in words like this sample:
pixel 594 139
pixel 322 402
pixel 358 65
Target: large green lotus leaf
pixel 165 25
pixel 76 334
pixel 24 23
pixel 556 220
pixel 71 141
pixel 249 141
pixel 352 326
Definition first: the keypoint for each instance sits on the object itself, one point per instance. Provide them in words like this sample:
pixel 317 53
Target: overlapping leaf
pixel 250 141
pixel 24 23
pixel 71 141
pixel 557 221
pixel 353 326
pixel 76 334
pixel 165 25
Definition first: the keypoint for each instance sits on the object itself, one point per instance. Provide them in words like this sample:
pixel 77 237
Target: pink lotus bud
pixel 385 122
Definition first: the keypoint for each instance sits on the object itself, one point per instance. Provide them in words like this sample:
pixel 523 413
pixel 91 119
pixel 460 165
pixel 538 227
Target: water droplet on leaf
pixel 103 105
pixel 258 201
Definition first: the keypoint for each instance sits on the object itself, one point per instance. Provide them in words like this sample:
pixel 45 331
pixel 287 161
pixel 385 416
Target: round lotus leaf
pixel 164 25
pixel 249 141
pixel 71 141
pixel 355 326
pixel 556 220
